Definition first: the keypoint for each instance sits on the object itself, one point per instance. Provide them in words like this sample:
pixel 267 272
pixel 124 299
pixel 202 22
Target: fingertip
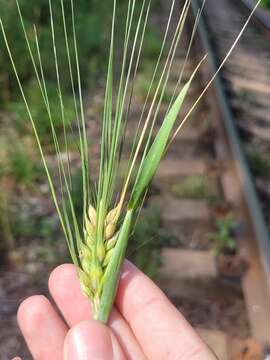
pixel 31 311
pixel 42 328
pixel 89 340
pixel 60 274
pixel 65 289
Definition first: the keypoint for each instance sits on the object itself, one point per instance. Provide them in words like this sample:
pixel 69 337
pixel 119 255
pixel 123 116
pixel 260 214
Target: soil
pixel 213 304
pixel 14 288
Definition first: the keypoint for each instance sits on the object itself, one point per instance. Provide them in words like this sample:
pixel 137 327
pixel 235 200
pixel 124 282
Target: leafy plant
pixel 223 236
pixel 258 162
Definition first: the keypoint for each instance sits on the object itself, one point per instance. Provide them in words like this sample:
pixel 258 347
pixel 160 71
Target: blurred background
pixel 195 236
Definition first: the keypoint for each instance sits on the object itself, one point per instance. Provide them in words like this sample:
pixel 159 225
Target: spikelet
pixel 95 256
pixel 112 216
pixel 92 215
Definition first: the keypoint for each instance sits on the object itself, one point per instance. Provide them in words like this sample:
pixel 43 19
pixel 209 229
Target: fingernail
pixel 88 340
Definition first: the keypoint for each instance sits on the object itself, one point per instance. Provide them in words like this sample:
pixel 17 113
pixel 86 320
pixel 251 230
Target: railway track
pixel 237 109
pixel 244 92
pixel 240 101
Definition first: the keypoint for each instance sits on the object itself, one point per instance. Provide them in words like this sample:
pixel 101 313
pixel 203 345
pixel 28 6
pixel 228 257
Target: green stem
pixel 112 273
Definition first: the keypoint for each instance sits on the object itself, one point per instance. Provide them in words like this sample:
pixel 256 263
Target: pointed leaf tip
pixel 156 151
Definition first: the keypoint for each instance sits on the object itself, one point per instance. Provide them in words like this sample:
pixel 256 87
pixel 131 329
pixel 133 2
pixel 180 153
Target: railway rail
pixel 261 16
pixel 240 95
pixel 227 96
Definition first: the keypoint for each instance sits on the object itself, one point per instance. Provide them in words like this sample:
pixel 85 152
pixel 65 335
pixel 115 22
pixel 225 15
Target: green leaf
pixel 156 151
pixel 110 280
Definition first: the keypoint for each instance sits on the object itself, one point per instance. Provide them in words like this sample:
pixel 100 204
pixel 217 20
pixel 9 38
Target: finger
pixel 65 289
pixel 159 327
pixel 92 340
pixel 42 328
pixel 75 307
pixel 125 337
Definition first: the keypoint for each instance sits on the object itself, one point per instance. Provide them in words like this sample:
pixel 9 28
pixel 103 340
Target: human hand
pixel 143 325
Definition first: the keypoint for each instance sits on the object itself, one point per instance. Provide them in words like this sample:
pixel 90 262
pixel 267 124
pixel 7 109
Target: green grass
pixel 93 20
pixel 39 111
pixel 195 187
pixel 19 164
pixel 23 168
pixel 152 45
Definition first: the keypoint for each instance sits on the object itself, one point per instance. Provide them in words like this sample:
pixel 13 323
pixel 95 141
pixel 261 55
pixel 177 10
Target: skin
pixel 143 325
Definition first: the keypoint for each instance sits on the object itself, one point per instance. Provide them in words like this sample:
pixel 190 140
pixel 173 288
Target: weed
pixel 258 162
pixel 223 236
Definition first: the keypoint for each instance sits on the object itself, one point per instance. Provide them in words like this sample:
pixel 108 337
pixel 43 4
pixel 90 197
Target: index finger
pixel 159 327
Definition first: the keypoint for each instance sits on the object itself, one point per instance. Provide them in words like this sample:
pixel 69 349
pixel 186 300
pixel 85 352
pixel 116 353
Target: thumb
pixel 91 340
